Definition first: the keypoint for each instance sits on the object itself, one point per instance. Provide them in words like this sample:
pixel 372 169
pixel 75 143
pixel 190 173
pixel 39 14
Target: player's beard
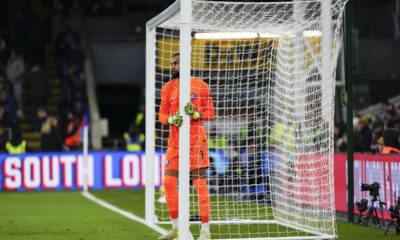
pixel 175 74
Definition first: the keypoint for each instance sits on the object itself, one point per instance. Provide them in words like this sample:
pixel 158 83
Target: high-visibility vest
pixel 218 143
pixel 21 148
pixel 74 140
pixel 139 119
pixel 132 145
pixel 283 134
pixel 388 150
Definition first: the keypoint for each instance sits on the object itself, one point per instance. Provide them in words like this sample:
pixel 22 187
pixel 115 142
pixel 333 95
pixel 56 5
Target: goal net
pixel 270 68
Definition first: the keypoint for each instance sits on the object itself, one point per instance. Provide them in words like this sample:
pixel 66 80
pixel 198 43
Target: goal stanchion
pixel 270 70
pixel 85 158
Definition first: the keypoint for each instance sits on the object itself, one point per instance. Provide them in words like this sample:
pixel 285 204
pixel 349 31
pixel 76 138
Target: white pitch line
pixel 122 212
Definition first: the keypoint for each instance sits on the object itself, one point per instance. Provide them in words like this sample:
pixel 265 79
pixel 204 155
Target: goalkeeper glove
pixel 176 119
pixel 189 110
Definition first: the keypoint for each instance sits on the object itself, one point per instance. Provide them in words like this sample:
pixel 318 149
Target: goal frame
pixel 184 188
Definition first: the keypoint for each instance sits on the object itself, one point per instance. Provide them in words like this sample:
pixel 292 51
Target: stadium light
pixel 275 35
pixel 249 35
pixel 268 35
pixel 312 33
pixel 226 35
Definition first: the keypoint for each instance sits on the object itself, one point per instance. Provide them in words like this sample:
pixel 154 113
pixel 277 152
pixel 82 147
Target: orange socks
pixel 171 195
pixel 203 198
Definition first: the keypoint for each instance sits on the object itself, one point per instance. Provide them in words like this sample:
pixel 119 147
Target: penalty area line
pixel 124 213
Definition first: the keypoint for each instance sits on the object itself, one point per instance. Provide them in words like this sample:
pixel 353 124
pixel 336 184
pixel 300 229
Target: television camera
pixel 362 205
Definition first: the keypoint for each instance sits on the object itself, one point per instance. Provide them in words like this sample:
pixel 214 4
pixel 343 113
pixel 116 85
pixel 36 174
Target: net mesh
pixel 271 143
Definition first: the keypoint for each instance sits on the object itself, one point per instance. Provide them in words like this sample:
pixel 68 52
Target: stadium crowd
pixel 377 134
pixel 25 88
pixel 25 85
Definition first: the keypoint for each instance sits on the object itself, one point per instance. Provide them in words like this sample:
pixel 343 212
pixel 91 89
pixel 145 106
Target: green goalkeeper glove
pixel 176 119
pixel 189 110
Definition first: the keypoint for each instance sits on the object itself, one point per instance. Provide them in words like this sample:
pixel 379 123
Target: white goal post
pixel 271 69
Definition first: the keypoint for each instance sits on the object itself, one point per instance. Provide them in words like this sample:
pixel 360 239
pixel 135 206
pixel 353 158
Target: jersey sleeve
pixel 207 110
pixel 164 106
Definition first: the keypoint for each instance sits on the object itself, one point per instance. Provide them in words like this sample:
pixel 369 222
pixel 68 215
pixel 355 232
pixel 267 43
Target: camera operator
pixel 395 217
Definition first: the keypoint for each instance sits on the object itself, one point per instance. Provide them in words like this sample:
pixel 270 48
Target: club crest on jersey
pixel 193 96
pixel 166 162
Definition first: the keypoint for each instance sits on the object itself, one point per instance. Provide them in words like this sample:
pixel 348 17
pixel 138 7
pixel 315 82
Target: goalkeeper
pixel 200 108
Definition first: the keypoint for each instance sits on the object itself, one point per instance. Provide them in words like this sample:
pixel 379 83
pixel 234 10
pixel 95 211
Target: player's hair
pixel 175 54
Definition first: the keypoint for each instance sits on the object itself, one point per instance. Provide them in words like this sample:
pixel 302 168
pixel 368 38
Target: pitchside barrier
pixel 125 170
pixel 384 169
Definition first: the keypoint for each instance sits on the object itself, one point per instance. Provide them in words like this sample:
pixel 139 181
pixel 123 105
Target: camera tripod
pixel 373 212
pixel 395 222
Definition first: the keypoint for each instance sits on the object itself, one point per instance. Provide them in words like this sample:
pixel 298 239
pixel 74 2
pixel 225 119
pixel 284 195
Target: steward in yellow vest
pixel 218 142
pixel 134 140
pixel 282 136
pixel 16 146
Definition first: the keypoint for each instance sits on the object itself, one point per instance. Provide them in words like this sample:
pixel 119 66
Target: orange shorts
pixel 198 158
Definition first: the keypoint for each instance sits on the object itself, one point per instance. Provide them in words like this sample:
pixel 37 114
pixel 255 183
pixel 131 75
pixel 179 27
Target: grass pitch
pixel 63 215
pixel 68 215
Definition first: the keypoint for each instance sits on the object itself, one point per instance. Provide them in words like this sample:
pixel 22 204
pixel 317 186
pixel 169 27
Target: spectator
pixel 73 86
pixel 15 74
pixel 41 116
pixel 73 140
pixel 68 50
pixel 3 140
pixel 78 105
pixel 387 114
pixel 341 144
pixel 232 176
pixel 282 136
pixel 362 135
pixel 337 131
pixel 4 119
pixel 385 107
pixel 9 106
pixel 17 145
pixel 37 88
pixel 390 141
pixel 51 135
pixel 389 118
pixel 134 139
pixel 396 122
pixel 252 175
pixel 217 141
pixel 74 55
pixel 377 130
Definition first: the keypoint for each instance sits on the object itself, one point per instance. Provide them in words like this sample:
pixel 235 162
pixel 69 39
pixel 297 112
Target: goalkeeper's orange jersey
pixel 201 99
